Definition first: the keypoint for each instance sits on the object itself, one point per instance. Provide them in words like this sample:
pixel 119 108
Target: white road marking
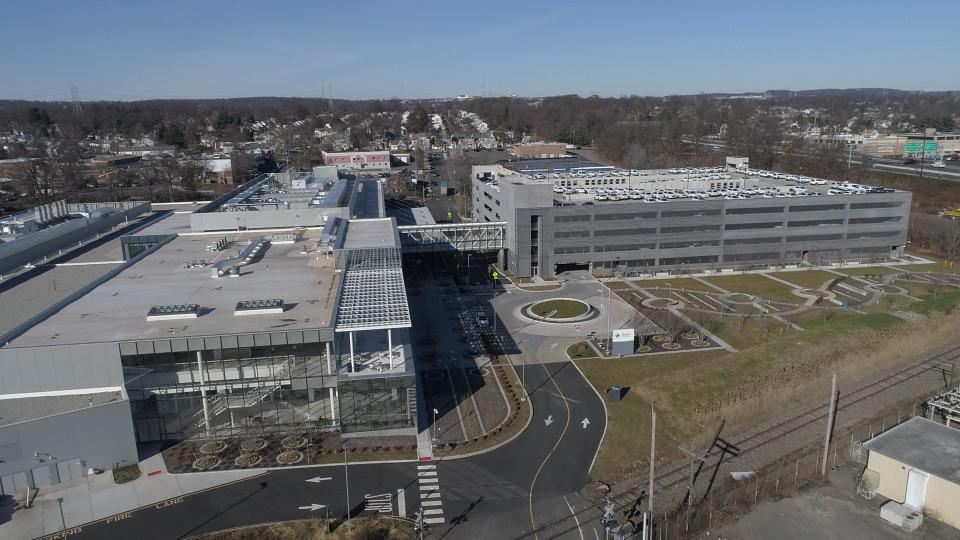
pixel 422 474
pixel 572 513
pixel 312 507
pixel 401 503
pixel 585 422
pixel 431 495
pixel 548 420
pixel 433 512
pixel 431 503
pixel 426 467
pixel 432 521
pixel 433 480
pixel 319 479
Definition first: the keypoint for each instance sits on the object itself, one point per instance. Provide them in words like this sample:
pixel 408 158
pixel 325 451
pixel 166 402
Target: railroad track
pixel 677 476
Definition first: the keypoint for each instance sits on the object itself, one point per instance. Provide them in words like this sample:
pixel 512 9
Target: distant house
pixel 917 466
pixel 379 160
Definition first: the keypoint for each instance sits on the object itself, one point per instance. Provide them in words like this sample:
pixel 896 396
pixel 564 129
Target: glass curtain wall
pixel 249 389
pixel 377 403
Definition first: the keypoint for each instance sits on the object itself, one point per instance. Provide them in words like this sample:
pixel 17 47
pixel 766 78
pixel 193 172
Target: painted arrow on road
pixel 585 422
pixel 319 479
pixel 313 507
pixel 549 420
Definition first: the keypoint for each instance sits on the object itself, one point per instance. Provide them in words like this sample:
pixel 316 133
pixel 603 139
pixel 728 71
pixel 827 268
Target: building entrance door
pixel 916 489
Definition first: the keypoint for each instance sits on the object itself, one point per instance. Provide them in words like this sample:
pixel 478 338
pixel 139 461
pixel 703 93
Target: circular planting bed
pixel 560 308
pixel 213 447
pixel 889 289
pixel 661 303
pixel 690 335
pixel 670 346
pixel 247 460
pixel 661 338
pixel 700 343
pixel 290 457
pixel 206 462
pixel 293 441
pixel 479 371
pixel 644 349
pixel 253 445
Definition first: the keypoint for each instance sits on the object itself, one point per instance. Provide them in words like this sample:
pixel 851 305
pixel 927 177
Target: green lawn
pixel 540 288
pixel 560 308
pixel 616 285
pixel 581 350
pixel 869 271
pixel 942 303
pixel 811 279
pixel 933 267
pixel 756 285
pixel 682 283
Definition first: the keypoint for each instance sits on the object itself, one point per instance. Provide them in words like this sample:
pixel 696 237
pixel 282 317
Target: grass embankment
pixel 581 350
pixel 756 285
pixel 320 529
pixel 872 271
pixel 770 374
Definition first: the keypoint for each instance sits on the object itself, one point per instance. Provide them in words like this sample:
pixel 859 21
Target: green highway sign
pixel 915 147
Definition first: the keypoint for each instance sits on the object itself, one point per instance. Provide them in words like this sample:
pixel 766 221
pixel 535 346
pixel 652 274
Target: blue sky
pixel 170 49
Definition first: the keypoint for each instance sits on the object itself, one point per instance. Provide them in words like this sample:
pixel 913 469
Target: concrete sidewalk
pixel 97 497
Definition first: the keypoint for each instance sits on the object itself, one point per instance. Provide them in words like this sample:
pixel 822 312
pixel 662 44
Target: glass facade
pixel 378 403
pixel 248 389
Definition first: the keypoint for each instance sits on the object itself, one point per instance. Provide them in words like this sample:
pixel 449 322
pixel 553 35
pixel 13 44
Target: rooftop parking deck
pixel 663 185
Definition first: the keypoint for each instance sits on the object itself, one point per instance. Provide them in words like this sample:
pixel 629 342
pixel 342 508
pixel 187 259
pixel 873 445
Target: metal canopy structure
pixel 372 296
pixel 452 237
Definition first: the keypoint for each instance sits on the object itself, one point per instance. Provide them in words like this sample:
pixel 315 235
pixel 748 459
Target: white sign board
pixel 624 334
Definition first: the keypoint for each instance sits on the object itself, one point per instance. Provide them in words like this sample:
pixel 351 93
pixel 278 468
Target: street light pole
pixel 346 477
pixel 62 520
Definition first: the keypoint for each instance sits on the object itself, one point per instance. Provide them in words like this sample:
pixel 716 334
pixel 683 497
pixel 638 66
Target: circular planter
pixel 670 346
pixel 213 447
pixel 661 303
pixel 247 460
pixel 253 445
pixel 661 338
pixel 290 457
pixel 559 310
pixel 293 441
pixel 644 349
pixel 690 335
pixel 739 298
pixel 700 343
pixel 206 463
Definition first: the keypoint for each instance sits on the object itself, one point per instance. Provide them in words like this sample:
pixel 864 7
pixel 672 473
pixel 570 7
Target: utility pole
pixel 830 418
pixel 648 529
pixel 346 478
pixel 695 455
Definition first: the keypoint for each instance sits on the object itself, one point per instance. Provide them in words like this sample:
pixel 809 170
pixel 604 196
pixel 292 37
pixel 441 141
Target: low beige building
pixel 917 464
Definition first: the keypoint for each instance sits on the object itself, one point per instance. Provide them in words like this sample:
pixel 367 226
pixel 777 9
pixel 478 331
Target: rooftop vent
pixel 174 311
pixel 259 307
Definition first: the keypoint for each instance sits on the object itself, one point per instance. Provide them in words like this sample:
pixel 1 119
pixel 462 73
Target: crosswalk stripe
pixel 433 512
pixel 431 503
pixel 426 467
pixel 431 495
pixel 429 480
pixel 421 474
pixel 433 521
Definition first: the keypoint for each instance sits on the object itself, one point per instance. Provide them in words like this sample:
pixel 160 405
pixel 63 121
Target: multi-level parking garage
pixel 679 219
